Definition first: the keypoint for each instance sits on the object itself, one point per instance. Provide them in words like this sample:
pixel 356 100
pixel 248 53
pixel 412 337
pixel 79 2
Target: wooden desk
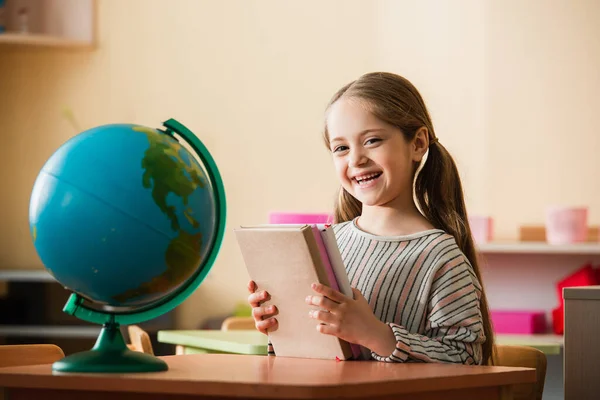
pixel 230 376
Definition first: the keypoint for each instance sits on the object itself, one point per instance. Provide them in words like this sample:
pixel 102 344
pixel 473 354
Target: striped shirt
pixel 423 286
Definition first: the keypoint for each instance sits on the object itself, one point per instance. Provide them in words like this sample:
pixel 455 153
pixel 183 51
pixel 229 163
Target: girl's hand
pixel 264 319
pixel 349 319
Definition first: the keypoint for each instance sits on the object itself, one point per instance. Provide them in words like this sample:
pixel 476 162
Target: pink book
pixel 325 258
pixel 334 267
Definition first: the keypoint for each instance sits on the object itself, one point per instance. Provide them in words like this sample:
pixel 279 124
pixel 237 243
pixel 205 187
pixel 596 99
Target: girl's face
pixel 373 161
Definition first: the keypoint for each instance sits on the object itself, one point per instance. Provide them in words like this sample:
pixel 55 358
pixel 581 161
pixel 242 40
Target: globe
pixel 129 219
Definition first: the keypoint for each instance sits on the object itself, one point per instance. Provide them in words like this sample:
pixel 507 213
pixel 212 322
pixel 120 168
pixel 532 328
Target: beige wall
pixel 512 97
pixel 542 102
pixel 439 46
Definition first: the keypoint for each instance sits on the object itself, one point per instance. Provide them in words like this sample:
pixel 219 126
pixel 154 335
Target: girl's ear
pixel 420 144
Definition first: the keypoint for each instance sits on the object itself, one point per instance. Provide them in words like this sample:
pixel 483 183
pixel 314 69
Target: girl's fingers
pixel 328 329
pixel 251 286
pixel 255 299
pixel 329 293
pixel 267 325
pixel 262 313
pixel 323 316
pixel 322 302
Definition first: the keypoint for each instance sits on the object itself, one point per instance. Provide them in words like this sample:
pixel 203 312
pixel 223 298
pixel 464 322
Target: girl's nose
pixel 357 158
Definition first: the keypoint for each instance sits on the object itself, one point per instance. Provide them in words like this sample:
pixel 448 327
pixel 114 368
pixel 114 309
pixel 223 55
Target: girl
pixel 402 229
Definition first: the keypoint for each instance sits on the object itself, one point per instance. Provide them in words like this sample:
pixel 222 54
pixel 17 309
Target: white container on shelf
pixel 481 228
pixel 566 225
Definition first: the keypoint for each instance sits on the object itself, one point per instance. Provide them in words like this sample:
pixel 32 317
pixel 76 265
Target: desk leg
pixel 506 393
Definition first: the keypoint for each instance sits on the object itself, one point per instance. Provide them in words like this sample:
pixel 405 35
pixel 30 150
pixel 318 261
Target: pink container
pixel 481 228
pixel 299 218
pixel 566 225
pixel 505 321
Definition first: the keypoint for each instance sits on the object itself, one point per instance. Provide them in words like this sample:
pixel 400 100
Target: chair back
pixel 526 357
pixel 140 340
pixel 238 323
pixel 28 354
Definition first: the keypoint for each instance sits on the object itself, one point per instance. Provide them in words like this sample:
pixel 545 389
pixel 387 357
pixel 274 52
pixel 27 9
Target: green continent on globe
pixel 166 171
pixel 182 257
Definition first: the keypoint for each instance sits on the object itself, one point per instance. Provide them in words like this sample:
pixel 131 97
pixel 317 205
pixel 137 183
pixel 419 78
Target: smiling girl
pixel 403 233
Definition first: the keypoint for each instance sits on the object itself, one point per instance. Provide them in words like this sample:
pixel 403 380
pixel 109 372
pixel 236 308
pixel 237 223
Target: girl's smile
pixel 367 180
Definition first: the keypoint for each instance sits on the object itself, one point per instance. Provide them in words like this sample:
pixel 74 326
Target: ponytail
pixel 439 194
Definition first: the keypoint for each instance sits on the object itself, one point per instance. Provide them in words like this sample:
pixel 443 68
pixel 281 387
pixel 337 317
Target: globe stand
pixel 110 354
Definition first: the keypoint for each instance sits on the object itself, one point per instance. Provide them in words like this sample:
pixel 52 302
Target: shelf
pixel 539 248
pixel 49 24
pixel 50 331
pixel 549 344
pixel 33 40
pixel 19 275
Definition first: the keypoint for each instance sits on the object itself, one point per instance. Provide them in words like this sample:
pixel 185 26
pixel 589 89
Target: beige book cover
pixel 284 261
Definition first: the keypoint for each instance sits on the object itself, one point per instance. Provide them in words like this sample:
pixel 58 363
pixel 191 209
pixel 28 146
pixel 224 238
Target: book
pixel 334 258
pixel 284 260
pixel 336 271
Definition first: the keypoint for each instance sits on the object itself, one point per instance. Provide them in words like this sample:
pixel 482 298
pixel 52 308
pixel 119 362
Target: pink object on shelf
pixel 481 228
pixel 508 321
pixel 299 218
pixel 566 225
pixel 584 276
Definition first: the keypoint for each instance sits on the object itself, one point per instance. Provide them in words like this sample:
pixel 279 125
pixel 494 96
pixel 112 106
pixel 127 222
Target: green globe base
pixel 110 355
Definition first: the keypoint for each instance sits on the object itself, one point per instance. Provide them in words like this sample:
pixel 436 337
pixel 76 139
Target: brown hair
pixel 438 189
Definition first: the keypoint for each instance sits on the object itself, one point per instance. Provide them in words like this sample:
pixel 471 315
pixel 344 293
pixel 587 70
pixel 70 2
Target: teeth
pixel 362 178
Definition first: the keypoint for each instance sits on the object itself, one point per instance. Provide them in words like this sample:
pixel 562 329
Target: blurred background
pixel 513 88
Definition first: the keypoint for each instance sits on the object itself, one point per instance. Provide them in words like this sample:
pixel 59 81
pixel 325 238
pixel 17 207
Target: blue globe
pixel 125 216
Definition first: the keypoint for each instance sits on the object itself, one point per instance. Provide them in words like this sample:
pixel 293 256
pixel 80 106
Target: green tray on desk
pixel 215 341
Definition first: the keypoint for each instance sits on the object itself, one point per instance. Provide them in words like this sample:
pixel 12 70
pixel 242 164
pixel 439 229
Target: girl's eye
pixel 340 148
pixel 373 141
